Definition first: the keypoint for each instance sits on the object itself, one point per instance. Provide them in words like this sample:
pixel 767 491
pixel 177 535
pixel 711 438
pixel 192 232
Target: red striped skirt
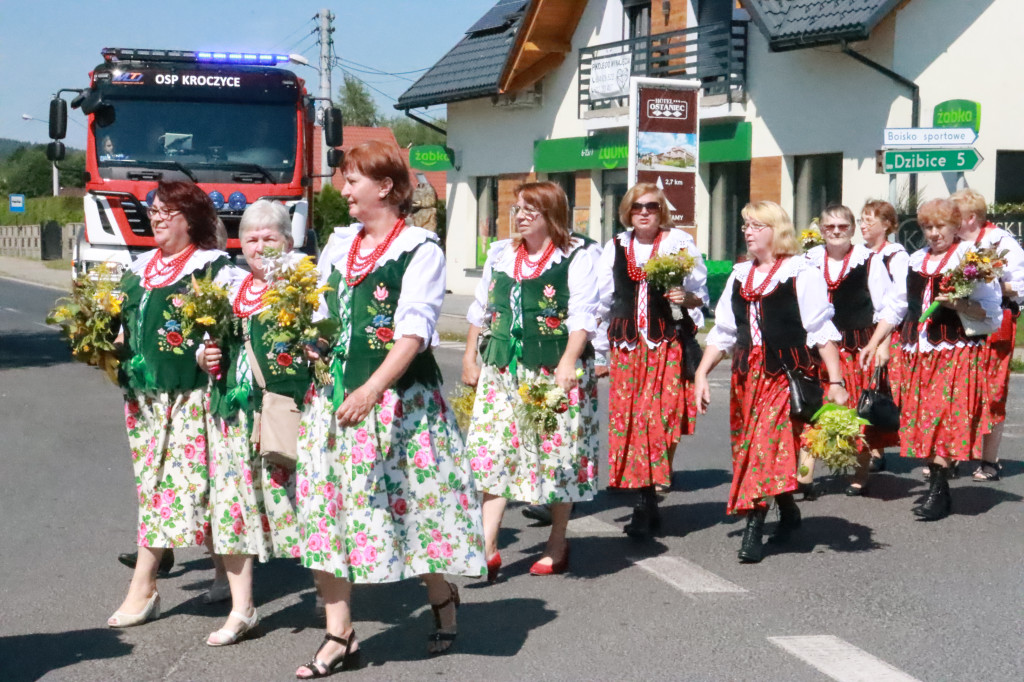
pixel 650 407
pixel 943 403
pixel 765 441
pixel 998 353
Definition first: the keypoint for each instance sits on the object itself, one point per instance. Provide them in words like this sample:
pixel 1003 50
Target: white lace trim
pixel 197 261
pixel 817 256
pixel 504 255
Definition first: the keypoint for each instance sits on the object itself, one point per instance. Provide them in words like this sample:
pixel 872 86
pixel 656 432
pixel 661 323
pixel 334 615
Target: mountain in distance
pixel 9 146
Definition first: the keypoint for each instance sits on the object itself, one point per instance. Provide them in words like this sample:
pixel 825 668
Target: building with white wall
pixel 788 113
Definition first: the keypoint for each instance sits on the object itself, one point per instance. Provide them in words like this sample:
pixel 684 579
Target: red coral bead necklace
pixel 248 300
pixel 636 273
pixel 160 272
pixel 942 263
pixel 834 284
pixel 537 265
pixel 358 266
pixel 748 291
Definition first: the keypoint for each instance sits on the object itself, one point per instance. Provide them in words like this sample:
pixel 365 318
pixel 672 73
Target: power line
pixel 378 90
pixel 290 35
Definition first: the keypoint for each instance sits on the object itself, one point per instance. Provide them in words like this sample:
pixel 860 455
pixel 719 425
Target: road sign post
pixel 930 160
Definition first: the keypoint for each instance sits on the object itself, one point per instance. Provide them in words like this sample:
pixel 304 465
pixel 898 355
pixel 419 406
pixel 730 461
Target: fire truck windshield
pixel 208 141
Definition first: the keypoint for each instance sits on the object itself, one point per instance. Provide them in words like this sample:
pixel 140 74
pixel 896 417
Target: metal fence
pixel 716 53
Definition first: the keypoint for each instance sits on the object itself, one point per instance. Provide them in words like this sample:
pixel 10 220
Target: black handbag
pixel 876 404
pixel 806 395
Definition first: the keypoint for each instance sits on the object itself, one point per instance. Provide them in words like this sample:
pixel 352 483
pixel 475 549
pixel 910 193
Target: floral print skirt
pixel 252 509
pixel 651 407
pixel 943 404
pixel 765 441
pixel 561 467
pixel 998 353
pixel 168 440
pixel 390 498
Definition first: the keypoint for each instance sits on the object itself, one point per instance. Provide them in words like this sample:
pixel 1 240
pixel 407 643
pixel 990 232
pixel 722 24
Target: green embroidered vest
pixel 545 307
pixel 157 356
pixel 282 372
pixel 372 306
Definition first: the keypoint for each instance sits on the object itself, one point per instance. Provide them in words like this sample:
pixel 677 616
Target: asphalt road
pixel 864 591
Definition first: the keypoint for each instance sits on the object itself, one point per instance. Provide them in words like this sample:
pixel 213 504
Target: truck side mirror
pixel 58 118
pixel 335 158
pixel 55 151
pixel 332 126
pixel 92 103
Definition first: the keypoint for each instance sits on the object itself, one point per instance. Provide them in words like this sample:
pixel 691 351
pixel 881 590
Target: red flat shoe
pixel 556 568
pixel 493 566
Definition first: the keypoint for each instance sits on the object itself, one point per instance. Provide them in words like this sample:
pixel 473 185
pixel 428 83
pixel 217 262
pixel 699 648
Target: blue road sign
pixel 17 203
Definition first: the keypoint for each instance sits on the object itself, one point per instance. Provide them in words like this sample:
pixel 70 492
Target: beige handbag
pixel 275 428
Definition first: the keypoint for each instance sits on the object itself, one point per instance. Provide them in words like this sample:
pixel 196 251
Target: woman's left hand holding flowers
pixel 838 394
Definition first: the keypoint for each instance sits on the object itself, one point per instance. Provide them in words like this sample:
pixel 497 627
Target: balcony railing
pixel 715 53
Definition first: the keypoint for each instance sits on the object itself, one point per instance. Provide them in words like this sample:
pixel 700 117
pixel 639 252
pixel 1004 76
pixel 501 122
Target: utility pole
pixel 326 43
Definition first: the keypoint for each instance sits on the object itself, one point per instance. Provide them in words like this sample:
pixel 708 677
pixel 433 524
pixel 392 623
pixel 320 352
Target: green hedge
pixel 43 209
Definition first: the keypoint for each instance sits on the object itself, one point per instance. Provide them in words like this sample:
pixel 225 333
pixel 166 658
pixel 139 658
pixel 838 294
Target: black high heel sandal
pixel 350 660
pixel 439 636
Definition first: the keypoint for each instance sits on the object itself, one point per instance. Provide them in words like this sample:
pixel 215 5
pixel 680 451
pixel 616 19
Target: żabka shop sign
pixel 663 141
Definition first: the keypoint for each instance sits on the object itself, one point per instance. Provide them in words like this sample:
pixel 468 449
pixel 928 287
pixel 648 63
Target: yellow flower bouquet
pixel 461 401
pixel 835 437
pixel 206 307
pixel 811 237
pixel 540 402
pixel 89 318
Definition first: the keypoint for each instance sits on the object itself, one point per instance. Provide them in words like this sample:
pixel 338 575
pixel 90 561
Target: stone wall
pixel 22 241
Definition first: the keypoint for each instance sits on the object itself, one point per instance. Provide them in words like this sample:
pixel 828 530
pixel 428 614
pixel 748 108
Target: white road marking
pixel 591 525
pixel 687 576
pixel 840 660
pixel 452 344
pixel 10 310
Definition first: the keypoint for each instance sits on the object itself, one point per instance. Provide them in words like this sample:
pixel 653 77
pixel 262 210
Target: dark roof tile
pixel 804 23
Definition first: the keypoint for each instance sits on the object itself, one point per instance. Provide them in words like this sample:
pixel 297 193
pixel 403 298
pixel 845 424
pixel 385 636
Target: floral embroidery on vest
pixel 551 321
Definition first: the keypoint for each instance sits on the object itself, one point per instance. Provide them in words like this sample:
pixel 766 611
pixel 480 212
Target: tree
pixel 356 104
pixel 408 132
pixel 27 171
pixel 329 211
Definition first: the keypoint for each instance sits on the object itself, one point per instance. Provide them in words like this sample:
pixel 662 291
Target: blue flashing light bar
pixel 117 54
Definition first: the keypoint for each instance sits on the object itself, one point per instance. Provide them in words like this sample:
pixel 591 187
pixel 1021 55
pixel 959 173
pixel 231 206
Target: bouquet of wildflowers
pixel 292 296
pixel 978 265
pixel 540 403
pixel 89 318
pixel 668 271
pixel 461 401
pixel 811 237
pixel 206 307
pixel 835 437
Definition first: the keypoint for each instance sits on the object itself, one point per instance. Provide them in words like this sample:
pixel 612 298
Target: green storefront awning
pixel 723 142
pixel 601 151
pixel 606 151
pixel 431 157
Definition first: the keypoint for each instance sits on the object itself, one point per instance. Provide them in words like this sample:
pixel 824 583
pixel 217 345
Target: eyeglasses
pixel 529 214
pixel 162 213
pixel 836 227
pixel 650 207
pixel 754 226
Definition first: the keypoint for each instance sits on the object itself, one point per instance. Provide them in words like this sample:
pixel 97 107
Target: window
pixel 567 181
pixel 728 193
pixel 613 188
pixel 818 182
pixel 638 17
pixel 1009 177
pixel 486 216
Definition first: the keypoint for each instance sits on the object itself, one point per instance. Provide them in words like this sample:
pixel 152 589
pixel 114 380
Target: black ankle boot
pixel 752 551
pixel 938 502
pixel 789 518
pixel 646 516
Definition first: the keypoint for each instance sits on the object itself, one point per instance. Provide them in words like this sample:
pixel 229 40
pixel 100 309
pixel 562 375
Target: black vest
pixel 782 331
pixel 625 300
pixel 943 326
pixel 854 312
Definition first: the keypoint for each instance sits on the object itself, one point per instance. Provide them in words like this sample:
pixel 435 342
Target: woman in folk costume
pixel 877 222
pixel 651 405
pixel 861 292
pixel 165 408
pixel 944 391
pixel 384 492
pixel 975 229
pixel 774 313
pixel 538 299
pixel 252 500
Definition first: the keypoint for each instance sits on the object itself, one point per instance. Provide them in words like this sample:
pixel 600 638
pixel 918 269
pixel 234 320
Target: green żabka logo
pixel 612 157
pixel 957 113
pixel 431 157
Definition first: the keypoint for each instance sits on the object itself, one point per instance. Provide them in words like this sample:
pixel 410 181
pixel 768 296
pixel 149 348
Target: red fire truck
pixel 236 124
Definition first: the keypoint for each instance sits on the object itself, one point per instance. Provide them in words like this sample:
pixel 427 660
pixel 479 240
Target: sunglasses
pixel 651 206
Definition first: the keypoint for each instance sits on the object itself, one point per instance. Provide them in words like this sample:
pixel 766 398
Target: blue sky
pixel 53 45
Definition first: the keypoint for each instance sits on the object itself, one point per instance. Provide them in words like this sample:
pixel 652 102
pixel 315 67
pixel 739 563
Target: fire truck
pixel 236 124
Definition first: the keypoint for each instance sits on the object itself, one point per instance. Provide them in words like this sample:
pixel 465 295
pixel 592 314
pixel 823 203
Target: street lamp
pixel 56 177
